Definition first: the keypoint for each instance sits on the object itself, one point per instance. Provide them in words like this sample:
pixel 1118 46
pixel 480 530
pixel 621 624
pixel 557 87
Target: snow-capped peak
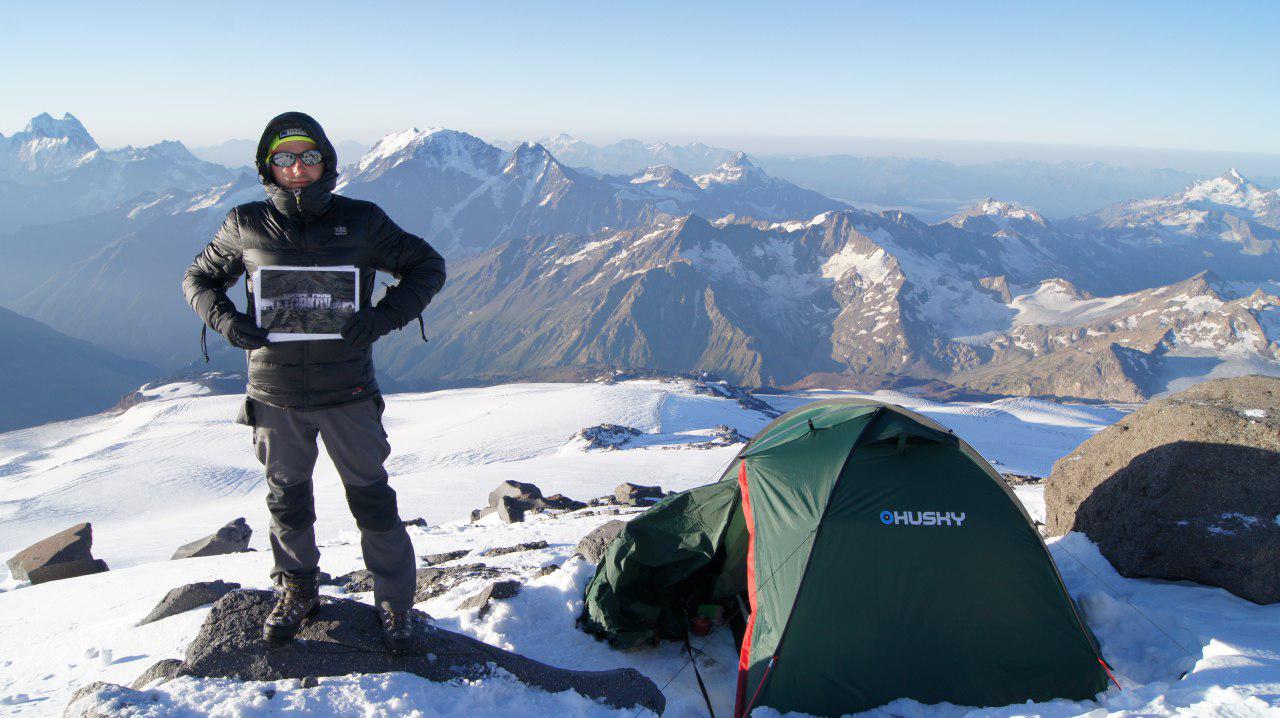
pixel 731 172
pixel 445 145
pixel 663 176
pixel 1231 189
pixel 1008 210
pixel 68 128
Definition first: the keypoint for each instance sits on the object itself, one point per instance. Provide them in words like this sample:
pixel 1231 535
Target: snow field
pixel 449 450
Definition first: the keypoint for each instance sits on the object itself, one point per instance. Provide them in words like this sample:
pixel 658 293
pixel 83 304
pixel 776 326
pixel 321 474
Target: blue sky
pixel 1176 75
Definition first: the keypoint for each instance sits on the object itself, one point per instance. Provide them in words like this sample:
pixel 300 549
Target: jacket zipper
pixel 302 220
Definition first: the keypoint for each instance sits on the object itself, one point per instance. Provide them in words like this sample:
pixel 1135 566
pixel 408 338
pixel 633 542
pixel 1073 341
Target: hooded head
pixel 314 198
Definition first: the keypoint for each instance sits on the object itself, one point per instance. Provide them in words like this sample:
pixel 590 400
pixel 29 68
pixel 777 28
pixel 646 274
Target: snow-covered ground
pixel 171 470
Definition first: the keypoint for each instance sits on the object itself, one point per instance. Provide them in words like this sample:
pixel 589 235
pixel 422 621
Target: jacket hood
pixel 314 199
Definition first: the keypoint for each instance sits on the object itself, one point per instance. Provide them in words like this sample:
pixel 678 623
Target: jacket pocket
pixel 246 415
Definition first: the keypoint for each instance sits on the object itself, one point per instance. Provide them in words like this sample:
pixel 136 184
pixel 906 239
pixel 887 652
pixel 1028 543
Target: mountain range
pixel 731 270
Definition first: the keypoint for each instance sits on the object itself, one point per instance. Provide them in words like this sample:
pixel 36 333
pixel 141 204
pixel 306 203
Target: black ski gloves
pixel 366 326
pixel 241 331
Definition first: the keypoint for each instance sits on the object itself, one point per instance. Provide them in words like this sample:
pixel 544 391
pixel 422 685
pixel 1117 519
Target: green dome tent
pixel 880 557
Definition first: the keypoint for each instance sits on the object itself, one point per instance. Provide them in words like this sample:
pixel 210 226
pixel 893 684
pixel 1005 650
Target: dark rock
pixel 433 559
pixel 527 493
pixel 502 550
pixel 593 546
pixel 63 555
pixel 546 570
pixel 185 598
pixel 232 538
pixel 159 671
pixel 416 522
pixel 1184 488
pixel 560 502
pixel 310 682
pixel 436 581
pixel 601 512
pixel 342 638
pixel 513 499
pixel 269 693
pixel 605 437
pixel 635 495
pixel 745 398
pixel 493 592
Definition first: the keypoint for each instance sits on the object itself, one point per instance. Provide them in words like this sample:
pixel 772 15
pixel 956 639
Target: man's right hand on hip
pixel 241 331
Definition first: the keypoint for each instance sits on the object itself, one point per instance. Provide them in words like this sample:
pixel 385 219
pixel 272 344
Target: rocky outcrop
pixel 342 638
pixel 603 437
pixel 433 559
pixel 513 499
pixel 63 555
pixel 232 538
pixel 503 550
pixel 185 598
pixel 593 546
pixel 1183 488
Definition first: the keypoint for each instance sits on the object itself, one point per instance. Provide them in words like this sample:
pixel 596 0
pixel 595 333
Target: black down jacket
pixel 312 227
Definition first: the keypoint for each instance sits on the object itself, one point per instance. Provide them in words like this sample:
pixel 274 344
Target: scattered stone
pixel 232 538
pixel 604 437
pixel 593 546
pixel 601 512
pixel 502 550
pixel 160 671
pixel 421 522
pixel 269 693
pixel 63 555
pixel 1184 488
pixel 342 638
pixel 310 682
pixel 493 592
pixel 185 598
pixel 513 499
pixel 635 495
pixel 433 559
pixel 546 570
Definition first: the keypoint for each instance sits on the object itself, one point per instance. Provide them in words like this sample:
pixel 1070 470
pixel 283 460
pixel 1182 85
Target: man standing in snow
pixel 300 389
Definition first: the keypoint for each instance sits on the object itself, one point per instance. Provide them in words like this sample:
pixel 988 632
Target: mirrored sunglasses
pixel 286 159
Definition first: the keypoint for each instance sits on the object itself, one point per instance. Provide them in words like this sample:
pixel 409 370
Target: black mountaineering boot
pixel 298 599
pixel 397 629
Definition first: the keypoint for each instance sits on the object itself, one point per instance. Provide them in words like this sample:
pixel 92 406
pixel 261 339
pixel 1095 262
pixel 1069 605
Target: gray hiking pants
pixel 356 441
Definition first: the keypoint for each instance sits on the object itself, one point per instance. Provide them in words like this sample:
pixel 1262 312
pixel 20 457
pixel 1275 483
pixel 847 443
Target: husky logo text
pixel 922 518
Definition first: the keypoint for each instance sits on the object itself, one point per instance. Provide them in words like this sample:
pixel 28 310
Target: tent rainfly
pixel 873 554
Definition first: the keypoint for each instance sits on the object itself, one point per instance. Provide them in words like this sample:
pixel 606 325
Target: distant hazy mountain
pixel 626 157
pixel 468 195
pixel 49 376
pixel 54 171
pixel 929 189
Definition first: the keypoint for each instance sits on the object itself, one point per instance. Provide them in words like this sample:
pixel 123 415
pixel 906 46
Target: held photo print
pixel 305 303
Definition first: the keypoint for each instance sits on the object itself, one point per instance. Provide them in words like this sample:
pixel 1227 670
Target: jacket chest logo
pixel 339 231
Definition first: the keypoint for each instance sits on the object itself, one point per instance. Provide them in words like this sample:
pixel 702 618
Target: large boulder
pixel 1183 488
pixel 630 494
pixel 185 598
pixel 232 538
pixel 594 545
pixel 63 555
pixel 513 499
pixel 342 637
